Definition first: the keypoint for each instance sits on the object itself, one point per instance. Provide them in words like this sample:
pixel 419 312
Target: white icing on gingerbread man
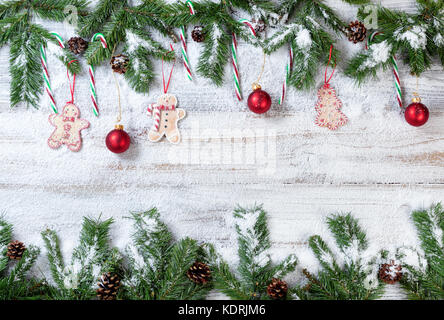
pixel 68 127
pixel 165 118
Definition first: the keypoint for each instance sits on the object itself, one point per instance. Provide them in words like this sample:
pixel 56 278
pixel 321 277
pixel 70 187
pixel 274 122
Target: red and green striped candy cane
pixel 59 39
pixel 48 88
pixel 183 40
pixel 191 7
pixel 92 79
pixel 46 77
pixel 234 60
pixel 235 67
pixel 288 69
pixel 395 69
pixel 249 25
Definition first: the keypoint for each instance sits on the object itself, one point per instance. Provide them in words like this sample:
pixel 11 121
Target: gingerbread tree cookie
pixel 68 127
pixel 329 109
pixel 165 119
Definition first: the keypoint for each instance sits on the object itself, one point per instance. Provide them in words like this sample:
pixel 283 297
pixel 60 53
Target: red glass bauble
pixel 416 114
pixel 259 101
pixel 118 141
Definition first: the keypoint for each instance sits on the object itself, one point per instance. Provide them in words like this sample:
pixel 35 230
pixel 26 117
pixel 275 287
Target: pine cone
pixel 199 273
pixel 259 25
pixel 390 272
pixel 119 63
pixel 198 34
pixel 15 250
pixel 356 32
pixel 277 289
pixel 109 284
pixel 77 45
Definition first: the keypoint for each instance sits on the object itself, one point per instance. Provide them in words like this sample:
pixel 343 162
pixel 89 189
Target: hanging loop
pixel 73 86
pixel 326 69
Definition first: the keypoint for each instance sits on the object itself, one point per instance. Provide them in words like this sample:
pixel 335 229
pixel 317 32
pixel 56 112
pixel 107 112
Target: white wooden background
pixel 377 166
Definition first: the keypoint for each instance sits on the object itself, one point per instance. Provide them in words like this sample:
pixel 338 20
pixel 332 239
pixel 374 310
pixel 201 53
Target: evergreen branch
pixel 89 260
pixel 55 9
pixel 5 238
pixel 350 281
pixel 255 267
pixel 323 253
pixel 25 69
pixel 215 54
pixel 413 36
pixel 28 259
pixel 152 238
pixel 430 226
pixel 5 232
pixel 226 282
pixel 54 255
pixel 357 1
pixel 11 8
pixel 95 21
pixel 139 48
pixel 158 267
pixel 182 256
pixel 346 231
pixel 324 12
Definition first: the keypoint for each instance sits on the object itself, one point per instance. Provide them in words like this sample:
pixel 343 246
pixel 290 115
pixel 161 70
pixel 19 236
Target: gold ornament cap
pixel 118 127
pixel 416 98
pixel 256 86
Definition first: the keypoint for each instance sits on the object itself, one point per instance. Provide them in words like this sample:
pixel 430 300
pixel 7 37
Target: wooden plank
pixel 217 148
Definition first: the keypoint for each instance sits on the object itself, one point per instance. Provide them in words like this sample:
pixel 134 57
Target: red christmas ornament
pixel 118 141
pixel 416 114
pixel 259 101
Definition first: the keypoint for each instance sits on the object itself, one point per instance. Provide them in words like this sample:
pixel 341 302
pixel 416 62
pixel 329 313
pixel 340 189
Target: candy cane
pixel 92 79
pixel 249 25
pixel 59 39
pixel 48 88
pixel 92 88
pixel 183 39
pixel 288 69
pixel 102 39
pixel 395 69
pixel 186 62
pixel 156 116
pixel 235 67
pixel 44 62
pixel 191 6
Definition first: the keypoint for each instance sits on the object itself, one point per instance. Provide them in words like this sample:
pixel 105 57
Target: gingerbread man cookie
pixel 165 116
pixel 68 126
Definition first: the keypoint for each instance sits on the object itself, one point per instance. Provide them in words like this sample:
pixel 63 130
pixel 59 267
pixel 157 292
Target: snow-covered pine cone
pixel 198 34
pixel 77 45
pixel 15 250
pixel 277 289
pixel 356 31
pixel 109 285
pixel 119 63
pixel 390 272
pixel 199 273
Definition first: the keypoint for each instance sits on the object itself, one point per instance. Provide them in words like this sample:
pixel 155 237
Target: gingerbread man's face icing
pixel 71 110
pixel 68 126
pixel 165 119
pixel 167 100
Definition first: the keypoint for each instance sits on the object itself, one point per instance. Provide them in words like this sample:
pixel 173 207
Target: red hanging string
pixel 71 88
pixel 326 69
pixel 165 87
